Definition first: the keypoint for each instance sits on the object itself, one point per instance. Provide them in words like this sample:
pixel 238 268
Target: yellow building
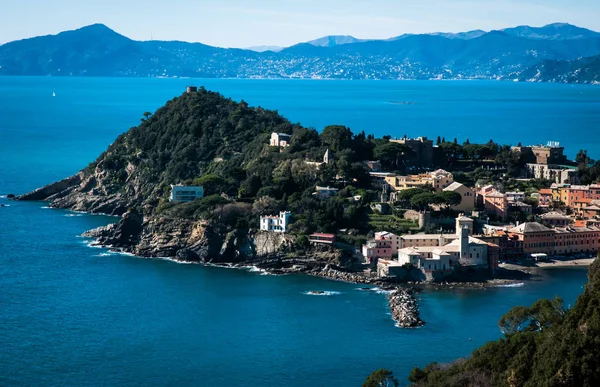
pixel 439 180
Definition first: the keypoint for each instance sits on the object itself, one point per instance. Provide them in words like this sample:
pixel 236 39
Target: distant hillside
pixel 97 50
pixel 586 70
pixel 556 31
pixel 334 40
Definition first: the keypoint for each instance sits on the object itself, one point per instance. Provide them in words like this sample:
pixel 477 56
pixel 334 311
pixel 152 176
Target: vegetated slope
pixel 544 346
pixel 585 70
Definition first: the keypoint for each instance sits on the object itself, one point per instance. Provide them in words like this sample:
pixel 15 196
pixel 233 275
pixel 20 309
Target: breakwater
pixel 405 311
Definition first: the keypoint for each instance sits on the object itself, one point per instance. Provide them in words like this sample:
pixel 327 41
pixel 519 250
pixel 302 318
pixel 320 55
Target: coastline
pixel 539 266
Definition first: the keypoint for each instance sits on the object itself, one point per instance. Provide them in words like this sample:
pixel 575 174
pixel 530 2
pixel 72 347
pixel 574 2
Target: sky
pixel 245 23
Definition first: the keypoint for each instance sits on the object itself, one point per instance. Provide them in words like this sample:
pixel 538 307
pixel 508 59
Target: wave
pixel 46 208
pixel 321 293
pixel 3 196
pixel 104 254
pixel 375 290
pixel 517 285
pixel 71 215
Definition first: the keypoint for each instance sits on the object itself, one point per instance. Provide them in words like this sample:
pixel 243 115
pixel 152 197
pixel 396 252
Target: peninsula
pixel 209 180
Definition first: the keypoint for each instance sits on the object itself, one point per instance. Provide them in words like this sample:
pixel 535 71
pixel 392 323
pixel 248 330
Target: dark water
pixel 75 315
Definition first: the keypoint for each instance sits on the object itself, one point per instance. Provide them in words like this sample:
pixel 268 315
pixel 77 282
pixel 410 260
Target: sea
pixel 72 314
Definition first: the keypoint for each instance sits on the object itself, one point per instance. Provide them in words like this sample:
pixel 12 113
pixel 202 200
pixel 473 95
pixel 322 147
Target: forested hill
pixel 97 50
pixel 544 345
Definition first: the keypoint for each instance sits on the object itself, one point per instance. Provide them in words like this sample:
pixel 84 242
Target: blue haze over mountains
pixel 556 52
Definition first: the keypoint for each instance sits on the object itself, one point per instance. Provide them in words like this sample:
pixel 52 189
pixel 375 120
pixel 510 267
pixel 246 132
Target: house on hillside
pixel 467 195
pixel 281 140
pixel 276 223
pixel 185 193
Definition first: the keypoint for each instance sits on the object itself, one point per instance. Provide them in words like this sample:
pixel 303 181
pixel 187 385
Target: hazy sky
pixel 243 23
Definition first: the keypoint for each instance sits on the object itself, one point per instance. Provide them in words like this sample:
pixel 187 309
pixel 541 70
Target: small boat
pixel 53 94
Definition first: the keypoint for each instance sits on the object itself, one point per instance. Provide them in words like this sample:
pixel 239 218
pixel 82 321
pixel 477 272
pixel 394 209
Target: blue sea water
pixel 75 315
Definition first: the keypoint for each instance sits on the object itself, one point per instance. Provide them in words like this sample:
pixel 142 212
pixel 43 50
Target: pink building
pixel 545 197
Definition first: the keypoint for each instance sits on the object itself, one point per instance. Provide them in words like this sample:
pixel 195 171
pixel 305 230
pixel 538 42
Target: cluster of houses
pixel 442 254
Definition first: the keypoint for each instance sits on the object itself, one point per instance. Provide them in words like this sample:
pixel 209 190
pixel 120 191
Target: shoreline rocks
pixel 405 311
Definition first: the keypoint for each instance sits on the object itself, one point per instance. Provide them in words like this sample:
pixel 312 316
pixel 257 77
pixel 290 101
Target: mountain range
pixel 519 53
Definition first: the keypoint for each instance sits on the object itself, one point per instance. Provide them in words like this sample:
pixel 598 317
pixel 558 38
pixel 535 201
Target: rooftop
pixel 529 227
pixel 454 186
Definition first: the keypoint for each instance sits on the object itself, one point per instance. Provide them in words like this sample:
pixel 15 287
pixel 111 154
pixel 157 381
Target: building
pixel 191 89
pixel 276 223
pixel 577 240
pixel 281 140
pixel 384 245
pixel 467 195
pixel 557 173
pixel 390 268
pixel 555 219
pixel 374 166
pixel 185 193
pixel 515 196
pixel 438 179
pixel 463 251
pixel 494 202
pixel 321 239
pixel 325 192
pixel 422 149
pixel 523 208
pixel 545 197
pixel 327 159
pixel 535 237
pixel 552 153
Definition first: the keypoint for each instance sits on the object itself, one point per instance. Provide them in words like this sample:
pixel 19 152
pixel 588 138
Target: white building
pixel 276 223
pixel 185 193
pixel 280 139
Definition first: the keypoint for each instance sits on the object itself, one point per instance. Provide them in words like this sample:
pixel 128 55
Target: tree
pixel 392 154
pixel 213 184
pixel 146 115
pixel 423 200
pixel 450 198
pixel 338 137
pixel 381 378
pixel 438 141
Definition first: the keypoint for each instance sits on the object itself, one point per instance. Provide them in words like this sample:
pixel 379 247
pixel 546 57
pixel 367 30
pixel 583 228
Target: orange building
pixel 535 238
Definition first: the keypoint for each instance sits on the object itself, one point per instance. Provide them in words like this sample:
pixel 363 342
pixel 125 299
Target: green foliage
pixel 393 156
pixel 544 345
pixel 381 378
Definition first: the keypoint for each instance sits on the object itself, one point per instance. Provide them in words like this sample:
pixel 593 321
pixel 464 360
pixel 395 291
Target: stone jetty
pixel 404 308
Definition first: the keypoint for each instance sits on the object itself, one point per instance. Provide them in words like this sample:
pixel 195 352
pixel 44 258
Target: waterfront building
pixel 185 193
pixel 384 245
pixel 535 237
pixel 467 195
pixel 276 223
pixel 281 140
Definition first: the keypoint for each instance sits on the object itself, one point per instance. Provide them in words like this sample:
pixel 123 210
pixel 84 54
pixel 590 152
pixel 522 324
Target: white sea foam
pixel 46 208
pixel 2 196
pixel 517 285
pixel 322 293
pixel 71 215
pixel 104 254
pixel 375 290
